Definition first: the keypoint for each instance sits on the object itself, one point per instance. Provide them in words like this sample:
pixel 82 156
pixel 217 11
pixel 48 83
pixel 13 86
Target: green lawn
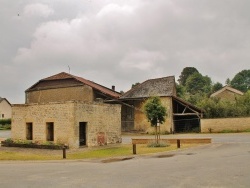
pixel 121 150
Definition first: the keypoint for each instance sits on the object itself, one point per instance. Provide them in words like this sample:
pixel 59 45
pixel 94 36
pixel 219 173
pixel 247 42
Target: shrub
pixel 9 140
pixel 5 127
pixel 5 121
pixel 159 144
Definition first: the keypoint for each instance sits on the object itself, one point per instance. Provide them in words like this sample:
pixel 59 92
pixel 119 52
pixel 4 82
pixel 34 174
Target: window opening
pixel 82 133
pixel 29 131
pixel 50 131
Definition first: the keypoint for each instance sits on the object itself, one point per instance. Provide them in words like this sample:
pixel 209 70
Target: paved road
pixel 224 164
pixel 5 133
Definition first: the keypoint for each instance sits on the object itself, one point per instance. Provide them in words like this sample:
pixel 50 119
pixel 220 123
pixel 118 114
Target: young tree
pixel 155 113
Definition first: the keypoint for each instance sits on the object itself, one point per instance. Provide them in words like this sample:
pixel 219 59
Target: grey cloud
pixel 122 42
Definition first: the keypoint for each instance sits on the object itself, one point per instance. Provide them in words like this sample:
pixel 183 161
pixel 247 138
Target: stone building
pixel 227 93
pixel 5 109
pixel 67 109
pixel 181 116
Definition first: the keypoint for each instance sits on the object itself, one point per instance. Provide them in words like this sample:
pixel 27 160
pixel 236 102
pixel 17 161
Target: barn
pixel 181 115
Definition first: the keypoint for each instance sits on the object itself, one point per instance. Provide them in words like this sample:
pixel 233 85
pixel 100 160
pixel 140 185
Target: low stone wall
pixel 218 125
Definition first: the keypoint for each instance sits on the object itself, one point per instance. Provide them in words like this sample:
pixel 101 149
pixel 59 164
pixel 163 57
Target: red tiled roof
pixel 64 75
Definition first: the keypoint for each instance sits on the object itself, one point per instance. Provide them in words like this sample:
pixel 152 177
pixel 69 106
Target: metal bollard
pixel 64 151
pixel 134 149
pixel 178 143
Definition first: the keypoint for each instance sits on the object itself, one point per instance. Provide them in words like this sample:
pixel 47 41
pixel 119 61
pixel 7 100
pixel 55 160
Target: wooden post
pixel 64 152
pixel 134 149
pixel 178 143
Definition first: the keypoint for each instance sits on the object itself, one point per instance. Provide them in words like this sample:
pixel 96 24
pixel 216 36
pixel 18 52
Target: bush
pixel 29 144
pixel 159 144
pixel 5 121
pixel 5 127
pixel 216 108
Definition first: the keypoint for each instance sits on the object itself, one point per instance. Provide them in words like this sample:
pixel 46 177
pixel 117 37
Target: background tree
pixel 155 113
pixel 216 87
pixel 135 84
pixel 228 82
pixel 196 83
pixel 186 72
pixel 180 90
pixel 241 81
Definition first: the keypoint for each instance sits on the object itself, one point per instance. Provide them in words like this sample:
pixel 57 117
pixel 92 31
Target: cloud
pixel 112 9
pixel 123 42
pixel 141 60
pixel 38 9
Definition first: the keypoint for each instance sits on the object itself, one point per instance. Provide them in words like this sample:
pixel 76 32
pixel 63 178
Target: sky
pixel 120 42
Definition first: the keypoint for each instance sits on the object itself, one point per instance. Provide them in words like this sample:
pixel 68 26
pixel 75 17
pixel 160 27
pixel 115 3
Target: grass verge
pixel 121 150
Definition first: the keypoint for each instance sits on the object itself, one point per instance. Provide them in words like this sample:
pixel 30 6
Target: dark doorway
pixel 127 117
pixel 29 131
pixel 186 117
pixel 82 133
pixel 50 131
pixel 186 124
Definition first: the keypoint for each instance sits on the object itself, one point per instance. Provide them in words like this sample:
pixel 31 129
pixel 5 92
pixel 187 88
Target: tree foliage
pixel 186 72
pixel 216 87
pixel 216 108
pixel 198 83
pixel 241 81
pixel 135 84
pixel 196 89
pixel 155 111
pixel 180 90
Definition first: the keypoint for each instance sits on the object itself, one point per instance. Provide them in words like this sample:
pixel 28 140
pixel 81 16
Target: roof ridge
pixel 227 87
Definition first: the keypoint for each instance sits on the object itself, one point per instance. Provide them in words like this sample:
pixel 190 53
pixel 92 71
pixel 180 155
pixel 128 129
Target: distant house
pixel 227 93
pixel 68 109
pixel 5 109
pixel 181 116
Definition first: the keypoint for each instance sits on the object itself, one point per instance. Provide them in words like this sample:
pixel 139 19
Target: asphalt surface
pixel 5 134
pixel 224 163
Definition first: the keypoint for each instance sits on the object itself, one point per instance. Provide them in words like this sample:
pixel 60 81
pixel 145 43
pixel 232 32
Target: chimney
pixel 113 88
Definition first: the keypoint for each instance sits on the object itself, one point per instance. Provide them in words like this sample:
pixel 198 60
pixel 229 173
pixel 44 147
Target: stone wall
pixel 217 125
pixel 227 95
pixel 101 119
pixel 78 93
pixel 141 123
pixel 61 114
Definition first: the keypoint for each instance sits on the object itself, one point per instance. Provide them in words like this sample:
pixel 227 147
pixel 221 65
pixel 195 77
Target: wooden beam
pixel 186 114
pixel 184 109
